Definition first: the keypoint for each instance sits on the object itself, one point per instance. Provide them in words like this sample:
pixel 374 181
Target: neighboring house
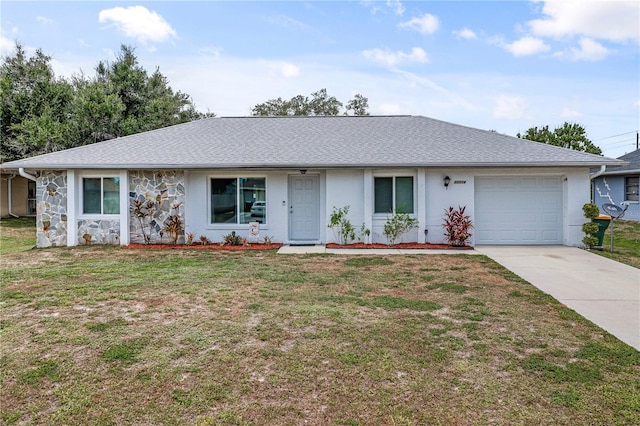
pixel 288 173
pixel 619 186
pixel 17 196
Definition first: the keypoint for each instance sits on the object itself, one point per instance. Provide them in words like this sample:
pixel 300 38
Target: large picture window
pixel 101 195
pixel 238 200
pixel 393 194
pixel 631 188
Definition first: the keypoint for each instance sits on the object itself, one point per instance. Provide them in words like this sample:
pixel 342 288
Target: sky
pixel 505 66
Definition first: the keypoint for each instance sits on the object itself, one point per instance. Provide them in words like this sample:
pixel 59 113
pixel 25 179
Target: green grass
pixel 626 243
pixel 17 235
pixel 125 351
pixel 103 335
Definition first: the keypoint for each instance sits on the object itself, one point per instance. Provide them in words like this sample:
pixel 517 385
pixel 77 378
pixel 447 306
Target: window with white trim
pixel 101 195
pixel 238 200
pixel 393 194
pixel 631 188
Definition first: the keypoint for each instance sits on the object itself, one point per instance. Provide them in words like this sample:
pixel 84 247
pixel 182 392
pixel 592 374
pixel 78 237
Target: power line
pixel 618 141
pixel 615 136
pixel 619 144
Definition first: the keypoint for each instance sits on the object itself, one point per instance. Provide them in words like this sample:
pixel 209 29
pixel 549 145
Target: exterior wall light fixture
pixel 447 179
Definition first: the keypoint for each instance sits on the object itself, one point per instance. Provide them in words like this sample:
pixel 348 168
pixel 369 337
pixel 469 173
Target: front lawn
pixel 626 243
pixel 103 335
pixel 17 235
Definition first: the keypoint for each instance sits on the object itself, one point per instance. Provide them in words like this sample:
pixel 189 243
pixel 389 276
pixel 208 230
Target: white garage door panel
pixel 518 210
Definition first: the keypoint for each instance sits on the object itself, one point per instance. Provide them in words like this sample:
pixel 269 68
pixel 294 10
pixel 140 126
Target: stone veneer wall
pixel 99 231
pixel 51 209
pixel 166 188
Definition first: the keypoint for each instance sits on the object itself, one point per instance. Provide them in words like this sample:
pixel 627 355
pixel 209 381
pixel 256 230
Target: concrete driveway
pixel 604 291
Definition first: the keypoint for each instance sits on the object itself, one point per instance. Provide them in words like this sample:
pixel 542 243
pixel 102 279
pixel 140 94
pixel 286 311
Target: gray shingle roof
pixel 339 141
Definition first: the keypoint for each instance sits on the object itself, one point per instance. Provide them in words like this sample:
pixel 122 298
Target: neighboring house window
pixel 393 194
pixel 101 195
pixel 631 188
pixel 31 198
pixel 238 200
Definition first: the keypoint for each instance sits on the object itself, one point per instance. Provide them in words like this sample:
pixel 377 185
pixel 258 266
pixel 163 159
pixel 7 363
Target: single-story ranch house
pixel 289 173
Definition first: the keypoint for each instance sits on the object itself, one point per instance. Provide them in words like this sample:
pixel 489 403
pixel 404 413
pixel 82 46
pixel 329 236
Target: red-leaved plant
pixel 457 226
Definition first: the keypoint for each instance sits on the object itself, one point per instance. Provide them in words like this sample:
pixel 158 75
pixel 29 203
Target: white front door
pixel 304 208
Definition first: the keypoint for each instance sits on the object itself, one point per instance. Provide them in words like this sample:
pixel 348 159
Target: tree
pixel 319 104
pixel 34 106
pixel 147 101
pixel 570 135
pixel 41 113
pixel 359 105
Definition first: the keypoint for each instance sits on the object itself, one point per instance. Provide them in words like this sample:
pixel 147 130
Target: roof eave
pixel 147 166
pixel 621 172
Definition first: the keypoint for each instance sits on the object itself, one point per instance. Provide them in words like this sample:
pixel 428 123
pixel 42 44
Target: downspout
pixel 26 175
pixel 9 196
pixel 599 172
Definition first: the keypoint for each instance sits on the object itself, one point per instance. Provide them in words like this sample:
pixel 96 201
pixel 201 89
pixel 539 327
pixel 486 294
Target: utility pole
pixel 637 139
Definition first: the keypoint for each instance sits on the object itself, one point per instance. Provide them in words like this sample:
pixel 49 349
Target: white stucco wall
pixel 344 188
pixel 379 219
pixel 352 187
pixel 339 188
pixel 438 199
pixel 576 192
pixel 197 211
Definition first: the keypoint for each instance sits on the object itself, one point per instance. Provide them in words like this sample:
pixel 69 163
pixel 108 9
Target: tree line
pixel 41 113
pixel 569 135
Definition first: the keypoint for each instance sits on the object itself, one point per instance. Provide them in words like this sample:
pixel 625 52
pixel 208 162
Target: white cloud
pixel 569 113
pixel 425 24
pixel 388 109
pixel 289 70
pixel 510 107
pixel 374 6
pixel 285 21
pixel 465 33
pixel 44 20
pixel 139 23
pixel 589 50
pixel 278 69
pixel 211 51
pixel 608 20
pixel 527 46
pixel 371 5
pixel 7 46
pixel 390 58
pixel 397 6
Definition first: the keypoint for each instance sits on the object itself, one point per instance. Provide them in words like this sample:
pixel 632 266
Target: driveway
pixel 604 291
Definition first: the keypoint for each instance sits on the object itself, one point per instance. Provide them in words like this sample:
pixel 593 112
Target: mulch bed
pixel 399 246
pixel 214 246
pixel 274 246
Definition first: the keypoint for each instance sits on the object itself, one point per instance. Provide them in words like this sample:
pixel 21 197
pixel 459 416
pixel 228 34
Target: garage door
pixel 518 210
